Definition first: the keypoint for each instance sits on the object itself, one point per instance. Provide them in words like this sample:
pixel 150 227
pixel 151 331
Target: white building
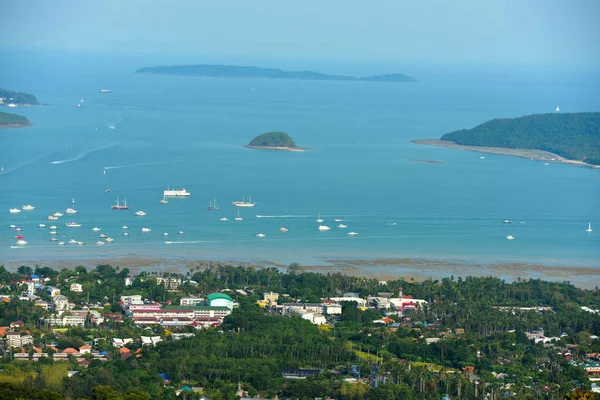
pixel 30 288
pixel 67 320
pixel 220 300
pixel 358 300
pixel 128 281
pixel 15 339
pixel 332 309
pixel 170 283
pixel 191 301
pixel 76 287
pixel 61 303
pixel 53 291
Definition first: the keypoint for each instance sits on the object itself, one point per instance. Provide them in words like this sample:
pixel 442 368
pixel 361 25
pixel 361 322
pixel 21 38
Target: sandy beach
pixel 297 149
pixel 539 155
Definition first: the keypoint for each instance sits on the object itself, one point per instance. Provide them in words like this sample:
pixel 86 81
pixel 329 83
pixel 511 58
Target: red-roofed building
pixel 85 349
pixel 70 350
pixel 17 324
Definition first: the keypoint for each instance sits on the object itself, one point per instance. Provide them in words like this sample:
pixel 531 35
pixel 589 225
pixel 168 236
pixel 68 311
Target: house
pixel 35 278
pixel 44 304
pixel 76 287
pixel 333 309
pixel 53 292
pixel 17 324
pixel 30 288
pixel 85 349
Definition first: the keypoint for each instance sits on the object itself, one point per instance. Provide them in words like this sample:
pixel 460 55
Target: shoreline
pixel 417 269
pixel 532 154
pixel 296 149
pixel 13 126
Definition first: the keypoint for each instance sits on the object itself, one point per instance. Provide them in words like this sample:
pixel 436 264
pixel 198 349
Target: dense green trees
pixel 8 119
pixel 273 139
pixel 575 136
pixel 18 98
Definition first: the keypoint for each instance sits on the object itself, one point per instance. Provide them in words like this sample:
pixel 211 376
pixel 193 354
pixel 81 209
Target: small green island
pixel 232 71
pixel 572 138
pixel 274 141
pixel 8 120
pixel 12 99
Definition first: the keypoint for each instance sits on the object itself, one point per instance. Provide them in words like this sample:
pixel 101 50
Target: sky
pixel 511 32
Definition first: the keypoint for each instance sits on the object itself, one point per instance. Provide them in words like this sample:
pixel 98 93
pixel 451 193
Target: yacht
pixel 124 227
pixel 176 193
pixel 324 228
pixel 99 242
pixel 212 205
pixel 53 227
pixel 52 232
pixel 42 225
pixel 12 226
pixel 19 237
pixel 223 219
pixel 72 225
pixel 319 219
pixel 140 213
pixel 165 234
pixel 109 240
pixel 164 200
pixel 244 203
pixel 21 242
pixel 126 234
pixel 80 243
pixel 507 221
pixel 338 220
pixel 28 207
pixel 510 237
pixel 102 236
pixel 57 214
pixel 95 229
pixel 146 230
pixel 105 90
pixel 589 229
pixel 73 241
pixel 342 226
pixel 18 229
pixel 52 218
pixel 61 243
pixel 14 211
pixel 53 239
pixel 557 109
pixel 238 218
pixel 482 158
pixel 181 233
pixel 261 235
pixel 352 233
pixel 283 229
pixel 70 211
pixel 119 206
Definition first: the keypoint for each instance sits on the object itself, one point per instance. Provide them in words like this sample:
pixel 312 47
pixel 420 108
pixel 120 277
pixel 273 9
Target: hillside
pixel 24 99
pixel 231 71
pixel 575 136
pixel 273 139
pixel 8 120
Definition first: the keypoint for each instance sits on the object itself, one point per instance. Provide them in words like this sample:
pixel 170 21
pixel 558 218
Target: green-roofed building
pixel 220 300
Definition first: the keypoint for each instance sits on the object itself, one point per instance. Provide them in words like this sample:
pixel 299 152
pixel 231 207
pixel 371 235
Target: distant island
pixel 13 99
pixel 8 120
pixel 570 138
pixel 274 141
pixel 230 71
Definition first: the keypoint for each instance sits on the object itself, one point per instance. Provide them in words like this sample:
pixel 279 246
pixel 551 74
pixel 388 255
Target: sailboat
pixel 238 218
pixel 119 206
pixel 557 109
pixel 589 229
pixel 212 205
pixel 164 199
pixel 319 219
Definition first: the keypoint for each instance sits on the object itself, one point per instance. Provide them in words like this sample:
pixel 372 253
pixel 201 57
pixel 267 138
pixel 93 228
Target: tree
pixel 104 392
pixel 25 270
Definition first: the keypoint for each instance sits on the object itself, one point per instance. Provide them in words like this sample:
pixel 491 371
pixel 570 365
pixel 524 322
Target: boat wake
pixel 86 154
pixel 143 164
pixel 185 242
pixel 19 166
pixel 283 216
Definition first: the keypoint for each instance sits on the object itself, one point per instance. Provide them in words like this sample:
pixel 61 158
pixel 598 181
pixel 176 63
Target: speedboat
pixel 12 226
pixel 283 229
pixel 99 242
pixel 109 240
pixel 164 200
pixel 61 243
pixel 28 207
pixel 21 242
pixel 73 241
pixel 52 218
pixel 324 228
pixel 80 243
pixel 510 237
pixel 126 234
pixel 18 229
pixel 73 225
pixel 57 214
pixel 181 233
pixel 53 239
pixel 352 233
pixel 338 220
pixel 42 225
pixel 124 227
pixel 223 219
pixel 261 235
pixel 70 211
pixel 506 221
pixel 14 211
pixel 19 237
pixel 342 226
pixel 319 220
pixel 165 234
pixel 53 227
pixel 146 230
pixel 52 232
pixel 95 229
pixel 102 236
pixel 140 213
pixel 589 229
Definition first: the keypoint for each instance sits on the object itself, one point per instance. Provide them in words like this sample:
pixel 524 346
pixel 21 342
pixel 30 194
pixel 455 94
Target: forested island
pixel 17 98
pixel 274 141
pixel 231 71
pixel 8 120
pixel 571 137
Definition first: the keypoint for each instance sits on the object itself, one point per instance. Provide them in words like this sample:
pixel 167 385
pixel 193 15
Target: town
pixel 227 331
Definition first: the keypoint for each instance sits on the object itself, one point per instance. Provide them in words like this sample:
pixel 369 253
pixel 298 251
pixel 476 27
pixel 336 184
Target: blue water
pixel 190 132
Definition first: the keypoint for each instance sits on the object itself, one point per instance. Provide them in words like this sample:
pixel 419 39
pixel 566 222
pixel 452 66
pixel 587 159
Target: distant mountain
pixel 17 98
pixel 575 136
pixel 273 139
pixel 230 71
pixel 8 120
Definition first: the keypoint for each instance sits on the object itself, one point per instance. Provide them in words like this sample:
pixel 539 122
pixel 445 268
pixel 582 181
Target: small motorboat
pixel 61 243
pixel 181 233
pixel 52 232
pixel 19 237
pixel 72 225
pixel 70 211
pixel 506 221
pixel 338 220
pixel 21 242
pixel 42 225
pixel 324 228
pixel 28 207
pixel 18 229
pixel 52 218
pixel 140 213
pixel 73 241
pixel 96 229
pixel 53 228
pixel 102 236
pixel 342 226
pixel 165 234
pixel 124 227
pixel 510 237
pixel 109 240
pixel 57 214
pixel 126 234
pixel 99 242
pixel 14 211
pixel 223 219
pixel 80 243
pixel 12 226
pixel 352 233
pixel 283 229
pixel 261 235
pixel 146 230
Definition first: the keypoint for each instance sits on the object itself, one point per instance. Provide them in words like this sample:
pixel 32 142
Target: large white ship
pixel 176 193
pixel 244 203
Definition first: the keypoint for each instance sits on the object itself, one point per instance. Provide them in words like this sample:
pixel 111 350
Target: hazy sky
pixel 548 32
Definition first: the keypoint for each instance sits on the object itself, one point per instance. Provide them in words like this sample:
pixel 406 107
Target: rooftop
pixel 215 296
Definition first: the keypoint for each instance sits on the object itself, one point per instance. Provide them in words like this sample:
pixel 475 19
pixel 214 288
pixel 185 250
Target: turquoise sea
pixel 189 132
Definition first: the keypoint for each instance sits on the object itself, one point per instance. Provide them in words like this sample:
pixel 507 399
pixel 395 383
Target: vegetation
pixel 9 120
pixel 575 136
pixel 229 71
pixel 18 98
pixel 273 139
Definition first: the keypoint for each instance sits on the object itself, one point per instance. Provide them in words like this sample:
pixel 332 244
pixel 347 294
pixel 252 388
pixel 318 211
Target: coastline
pixel 13 126
pixel 296 149
pixel 539 155
pixel 416 269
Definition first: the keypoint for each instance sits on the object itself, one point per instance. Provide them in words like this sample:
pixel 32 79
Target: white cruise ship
pixel 176 193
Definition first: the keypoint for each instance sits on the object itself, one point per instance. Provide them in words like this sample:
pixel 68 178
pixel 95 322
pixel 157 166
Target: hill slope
pixel 8 120
pixel 273 139
pixel 18 98
pixel 575 136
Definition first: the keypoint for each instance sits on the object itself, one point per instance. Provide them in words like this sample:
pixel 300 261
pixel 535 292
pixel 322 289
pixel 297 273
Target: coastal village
pixel 66 317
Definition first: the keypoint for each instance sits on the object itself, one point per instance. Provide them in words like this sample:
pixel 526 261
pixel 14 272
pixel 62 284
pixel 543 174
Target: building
pixel 358 300
pixel 128 281
pixel 271 297
pixel 44 304
pixel 76 287
pixel 53 292
pixel 169 283
pixel 332 309
pixel 67 320
pixel 181 316
pixel 30 288
pixel 15 339
pixel 191 301
pixel 61 303
pixel 220 300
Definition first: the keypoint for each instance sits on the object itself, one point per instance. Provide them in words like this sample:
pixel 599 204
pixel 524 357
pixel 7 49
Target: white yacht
pixel 99 242
pixel 109 240
pixel 140 213
pixel 73 241
pixel 165 234
pixel 223 219
pixel 482 158
pixel 102 236
pixel 28 207
pixel 352 233
pixel 126 234
pixel 72 225
pixel 70 211
pixel 589 229
pixel 324 228
pixel 53 239
pixel 238 218
pixel 557 109
pixel 18 229
pixel 164 199
pixel 21 242
pixel 80 243
pixel 61 243
pixel 52 218
pixel 319 219
pixel 176 193
pixel 42 225
pixel 342 226
pixel 57 214
pixel 124 227
pixel 53 227
pixel 510 237
pixel 12 226
pixel 181 233
pixel 14 211
pixel 261 235
pixel 338 220
pixel 244 203
pixel 52 232
pixel 96 229
pixel 283 229
pixel 146 230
